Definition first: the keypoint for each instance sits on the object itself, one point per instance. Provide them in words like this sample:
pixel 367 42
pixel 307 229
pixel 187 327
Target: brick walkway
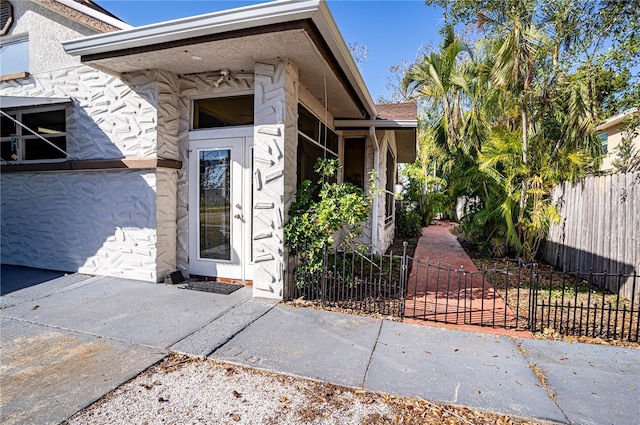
pixel 458 299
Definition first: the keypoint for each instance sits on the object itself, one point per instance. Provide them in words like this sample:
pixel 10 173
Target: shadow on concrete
pixel 14 278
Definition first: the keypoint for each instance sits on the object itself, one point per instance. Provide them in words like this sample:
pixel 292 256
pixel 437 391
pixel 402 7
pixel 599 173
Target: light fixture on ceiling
pixel 196 57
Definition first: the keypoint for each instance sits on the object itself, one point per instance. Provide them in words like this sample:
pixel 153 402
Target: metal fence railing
pixel 508 294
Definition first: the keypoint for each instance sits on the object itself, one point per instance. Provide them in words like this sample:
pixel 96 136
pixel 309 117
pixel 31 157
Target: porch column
pixel 274 173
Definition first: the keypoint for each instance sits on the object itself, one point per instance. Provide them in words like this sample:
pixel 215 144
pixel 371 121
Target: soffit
pixel 240 54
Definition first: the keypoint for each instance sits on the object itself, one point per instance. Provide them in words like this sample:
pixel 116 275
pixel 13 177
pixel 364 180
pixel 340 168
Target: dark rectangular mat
pixel 215 287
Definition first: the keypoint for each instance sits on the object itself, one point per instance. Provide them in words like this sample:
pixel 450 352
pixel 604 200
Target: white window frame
pixel 389 219
pixel 24 136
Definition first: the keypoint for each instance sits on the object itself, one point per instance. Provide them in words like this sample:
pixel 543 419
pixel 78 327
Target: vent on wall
pixel 6 16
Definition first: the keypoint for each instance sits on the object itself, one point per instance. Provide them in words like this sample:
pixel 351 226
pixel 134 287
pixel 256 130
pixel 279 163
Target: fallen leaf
pixel 236 394
pixel 235 417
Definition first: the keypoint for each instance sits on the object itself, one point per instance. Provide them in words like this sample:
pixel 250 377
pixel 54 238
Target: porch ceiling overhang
pixel 236 39
pixel 406 134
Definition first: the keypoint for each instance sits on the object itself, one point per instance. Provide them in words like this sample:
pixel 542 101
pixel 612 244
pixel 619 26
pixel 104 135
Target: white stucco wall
pixel 91 222
pixel 275 147
pixel 614 137
pixel 116 223
pixel 46 29
pixel 385 232
pixel 108 118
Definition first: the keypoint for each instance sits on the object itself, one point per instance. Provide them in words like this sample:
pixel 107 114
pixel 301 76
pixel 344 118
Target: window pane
pixel 390 186
pixel 308 124
pixel 8 152
pixel 308 154
pixel 48 122
pixel 354 150
pixel 35 148
pixel 223 112
pixel 14 56
pixel 331 140
pixel 215 204
pixel 7 127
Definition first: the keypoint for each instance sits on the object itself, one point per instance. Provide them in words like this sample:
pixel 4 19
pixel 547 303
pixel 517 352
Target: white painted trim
pixel 615 120
pixel 410 124
pixel 95 14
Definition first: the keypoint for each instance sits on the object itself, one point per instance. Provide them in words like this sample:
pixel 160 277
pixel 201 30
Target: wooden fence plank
pixel 599 228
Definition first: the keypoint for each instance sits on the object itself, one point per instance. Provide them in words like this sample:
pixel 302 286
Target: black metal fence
pixel 352 280
pixel 505 294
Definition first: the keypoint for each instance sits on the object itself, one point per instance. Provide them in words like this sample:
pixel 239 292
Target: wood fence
pixel 599 230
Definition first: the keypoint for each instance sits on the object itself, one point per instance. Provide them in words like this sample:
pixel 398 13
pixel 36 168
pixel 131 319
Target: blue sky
pixel 392 30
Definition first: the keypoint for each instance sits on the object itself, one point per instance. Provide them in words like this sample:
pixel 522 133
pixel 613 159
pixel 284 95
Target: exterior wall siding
pixel 49 221
pixel 167 228
pixel 46 29
pixel 275 141
pixel 108 118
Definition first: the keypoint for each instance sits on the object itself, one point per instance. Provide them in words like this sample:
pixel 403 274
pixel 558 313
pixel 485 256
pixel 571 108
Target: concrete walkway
pixel 68 341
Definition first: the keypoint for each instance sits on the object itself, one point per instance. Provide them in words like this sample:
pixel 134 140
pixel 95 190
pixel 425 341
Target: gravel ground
pixel 186 390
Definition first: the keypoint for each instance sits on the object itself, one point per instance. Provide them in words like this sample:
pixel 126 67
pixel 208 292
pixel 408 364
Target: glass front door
pixel 220 218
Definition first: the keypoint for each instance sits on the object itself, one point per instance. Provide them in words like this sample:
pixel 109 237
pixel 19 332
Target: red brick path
pixel 457 299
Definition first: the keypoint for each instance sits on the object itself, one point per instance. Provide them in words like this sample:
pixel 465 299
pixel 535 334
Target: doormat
pixel 214 287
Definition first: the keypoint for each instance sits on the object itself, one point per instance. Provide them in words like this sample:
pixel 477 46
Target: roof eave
pixel 380 124
pixel 232 20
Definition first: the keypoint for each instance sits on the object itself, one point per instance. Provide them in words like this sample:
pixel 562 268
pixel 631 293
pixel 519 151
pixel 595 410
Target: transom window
pixel 315 140
pixel 223 112
pixel 18 144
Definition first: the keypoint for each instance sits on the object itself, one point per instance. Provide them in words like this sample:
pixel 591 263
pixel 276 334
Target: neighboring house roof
pixel 616 120
pixel 87 13
pixel 398 111
pixel 301 30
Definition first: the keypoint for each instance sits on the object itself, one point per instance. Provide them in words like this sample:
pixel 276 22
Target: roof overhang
pixel 616 120
pixel 13 102
pixel 303 31
pixel 405 131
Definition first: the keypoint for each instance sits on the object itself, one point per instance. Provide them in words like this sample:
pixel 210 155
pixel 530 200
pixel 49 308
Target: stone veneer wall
pixel 99 222
pixel 189 86
pixel 275 145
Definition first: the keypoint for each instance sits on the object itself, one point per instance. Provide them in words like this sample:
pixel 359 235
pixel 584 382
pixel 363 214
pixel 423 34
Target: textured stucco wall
pixel 91 222
pixel 166 225
pixel 190 86
pixel 275 137
pixel 385 233
pixel 109 118
pixel 46 30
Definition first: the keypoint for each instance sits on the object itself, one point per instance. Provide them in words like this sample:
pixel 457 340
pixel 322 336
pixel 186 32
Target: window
pixel 604 142
pixel 389 187
pixel 6 17
pixel 223 112
pixel 14 56
pixel 354 155
pixel 18 144
pixel 315 140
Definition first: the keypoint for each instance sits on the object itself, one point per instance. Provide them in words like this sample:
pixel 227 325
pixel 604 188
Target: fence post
pixel 323 272
pixel 533 297
pixel 404 277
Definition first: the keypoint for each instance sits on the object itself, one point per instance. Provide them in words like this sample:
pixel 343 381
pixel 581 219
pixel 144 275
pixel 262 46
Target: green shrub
pixel 408 221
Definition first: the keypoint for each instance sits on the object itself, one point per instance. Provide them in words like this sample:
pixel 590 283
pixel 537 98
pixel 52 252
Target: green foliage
pixel 313 223
pixel 423 193
pixel 408 221
pixel 627 156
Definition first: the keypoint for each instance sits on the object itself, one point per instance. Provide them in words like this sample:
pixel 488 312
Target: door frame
pixel 241 195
